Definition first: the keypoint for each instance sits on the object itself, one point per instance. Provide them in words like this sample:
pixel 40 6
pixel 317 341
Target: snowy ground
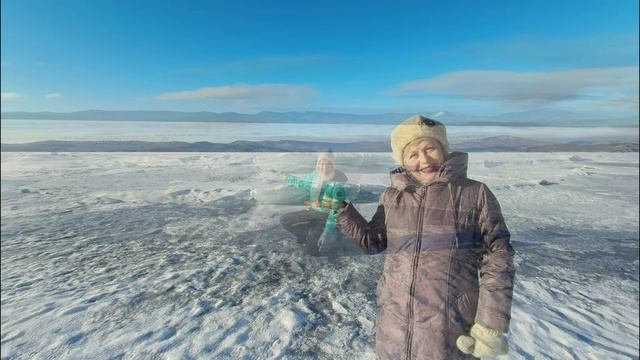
pixel 127 255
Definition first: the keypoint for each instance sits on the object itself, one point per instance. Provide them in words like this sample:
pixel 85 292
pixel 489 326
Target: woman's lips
pixel 429 169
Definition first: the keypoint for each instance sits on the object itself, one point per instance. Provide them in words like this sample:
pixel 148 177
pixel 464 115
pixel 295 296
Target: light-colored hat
pixel 415 127
pixel 326 155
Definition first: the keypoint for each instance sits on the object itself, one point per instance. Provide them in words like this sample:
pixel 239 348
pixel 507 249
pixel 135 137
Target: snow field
pixel 154 255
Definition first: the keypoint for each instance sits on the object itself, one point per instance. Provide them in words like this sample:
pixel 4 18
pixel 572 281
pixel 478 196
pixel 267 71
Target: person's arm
pixel 496 271
pixel 298 182
pixel 371 236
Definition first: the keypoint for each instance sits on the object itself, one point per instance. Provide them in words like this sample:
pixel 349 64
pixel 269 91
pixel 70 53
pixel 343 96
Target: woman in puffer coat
pixel 447 284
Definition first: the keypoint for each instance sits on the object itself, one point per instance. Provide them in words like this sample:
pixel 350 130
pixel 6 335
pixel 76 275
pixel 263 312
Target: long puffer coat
pixel 448 264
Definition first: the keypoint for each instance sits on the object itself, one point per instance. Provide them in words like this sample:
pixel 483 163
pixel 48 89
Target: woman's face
pixel 422 158
pixel 325 167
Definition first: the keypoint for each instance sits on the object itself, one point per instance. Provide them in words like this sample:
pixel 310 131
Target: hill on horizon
pixel 533 118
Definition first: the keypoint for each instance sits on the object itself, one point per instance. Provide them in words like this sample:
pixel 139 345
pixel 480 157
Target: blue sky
pixel 358 57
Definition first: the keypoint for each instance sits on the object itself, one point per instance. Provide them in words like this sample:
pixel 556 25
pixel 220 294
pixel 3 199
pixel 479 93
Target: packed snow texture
pixel 130 255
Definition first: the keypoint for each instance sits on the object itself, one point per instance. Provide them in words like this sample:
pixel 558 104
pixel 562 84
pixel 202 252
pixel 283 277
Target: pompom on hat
pixel 415 127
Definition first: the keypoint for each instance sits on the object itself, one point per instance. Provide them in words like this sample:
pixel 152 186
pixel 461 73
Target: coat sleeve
pixel 371 236
pixel 496 269
pixel 300 182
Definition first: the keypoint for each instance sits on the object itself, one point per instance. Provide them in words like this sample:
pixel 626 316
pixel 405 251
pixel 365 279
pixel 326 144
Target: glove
pixel 332 204
pixel 334 196
pixel 483 342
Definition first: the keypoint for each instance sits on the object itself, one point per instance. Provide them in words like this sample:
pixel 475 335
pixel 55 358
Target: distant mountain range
pixel 538 117
pixel 496 143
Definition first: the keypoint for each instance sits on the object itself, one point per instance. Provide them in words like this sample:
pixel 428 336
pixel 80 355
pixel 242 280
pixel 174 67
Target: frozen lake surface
pixel 154 255
pixel 24 131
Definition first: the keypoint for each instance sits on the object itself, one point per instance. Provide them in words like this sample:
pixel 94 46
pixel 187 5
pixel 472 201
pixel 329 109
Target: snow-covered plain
pixel 154 255
pixel 25 131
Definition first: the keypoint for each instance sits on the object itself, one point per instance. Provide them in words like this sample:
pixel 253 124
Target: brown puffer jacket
pixel 448 262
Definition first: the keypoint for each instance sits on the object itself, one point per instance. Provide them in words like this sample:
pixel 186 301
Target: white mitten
pixel 483 342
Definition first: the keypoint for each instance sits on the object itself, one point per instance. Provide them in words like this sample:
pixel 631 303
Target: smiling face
pixel 325 168
pixel 422 159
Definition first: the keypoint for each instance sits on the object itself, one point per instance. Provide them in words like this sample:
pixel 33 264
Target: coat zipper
pixel 414 268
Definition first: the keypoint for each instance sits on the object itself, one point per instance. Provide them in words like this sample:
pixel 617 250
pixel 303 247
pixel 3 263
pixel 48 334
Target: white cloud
pixel 53 96
pixel 260 92
pixel 7 95
pixel 529 88
pixel 631 102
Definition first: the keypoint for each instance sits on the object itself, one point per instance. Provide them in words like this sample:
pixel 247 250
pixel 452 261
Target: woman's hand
pixel 332 204
pixel 284 175
pixel 483 342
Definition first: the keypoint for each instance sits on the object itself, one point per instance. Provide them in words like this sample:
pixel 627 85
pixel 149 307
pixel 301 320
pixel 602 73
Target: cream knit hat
pixel 325 155
pixel 415 127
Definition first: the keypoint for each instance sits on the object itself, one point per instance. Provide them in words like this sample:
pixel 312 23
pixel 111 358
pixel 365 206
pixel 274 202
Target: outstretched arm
pixel 371 236
pixel 298 182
